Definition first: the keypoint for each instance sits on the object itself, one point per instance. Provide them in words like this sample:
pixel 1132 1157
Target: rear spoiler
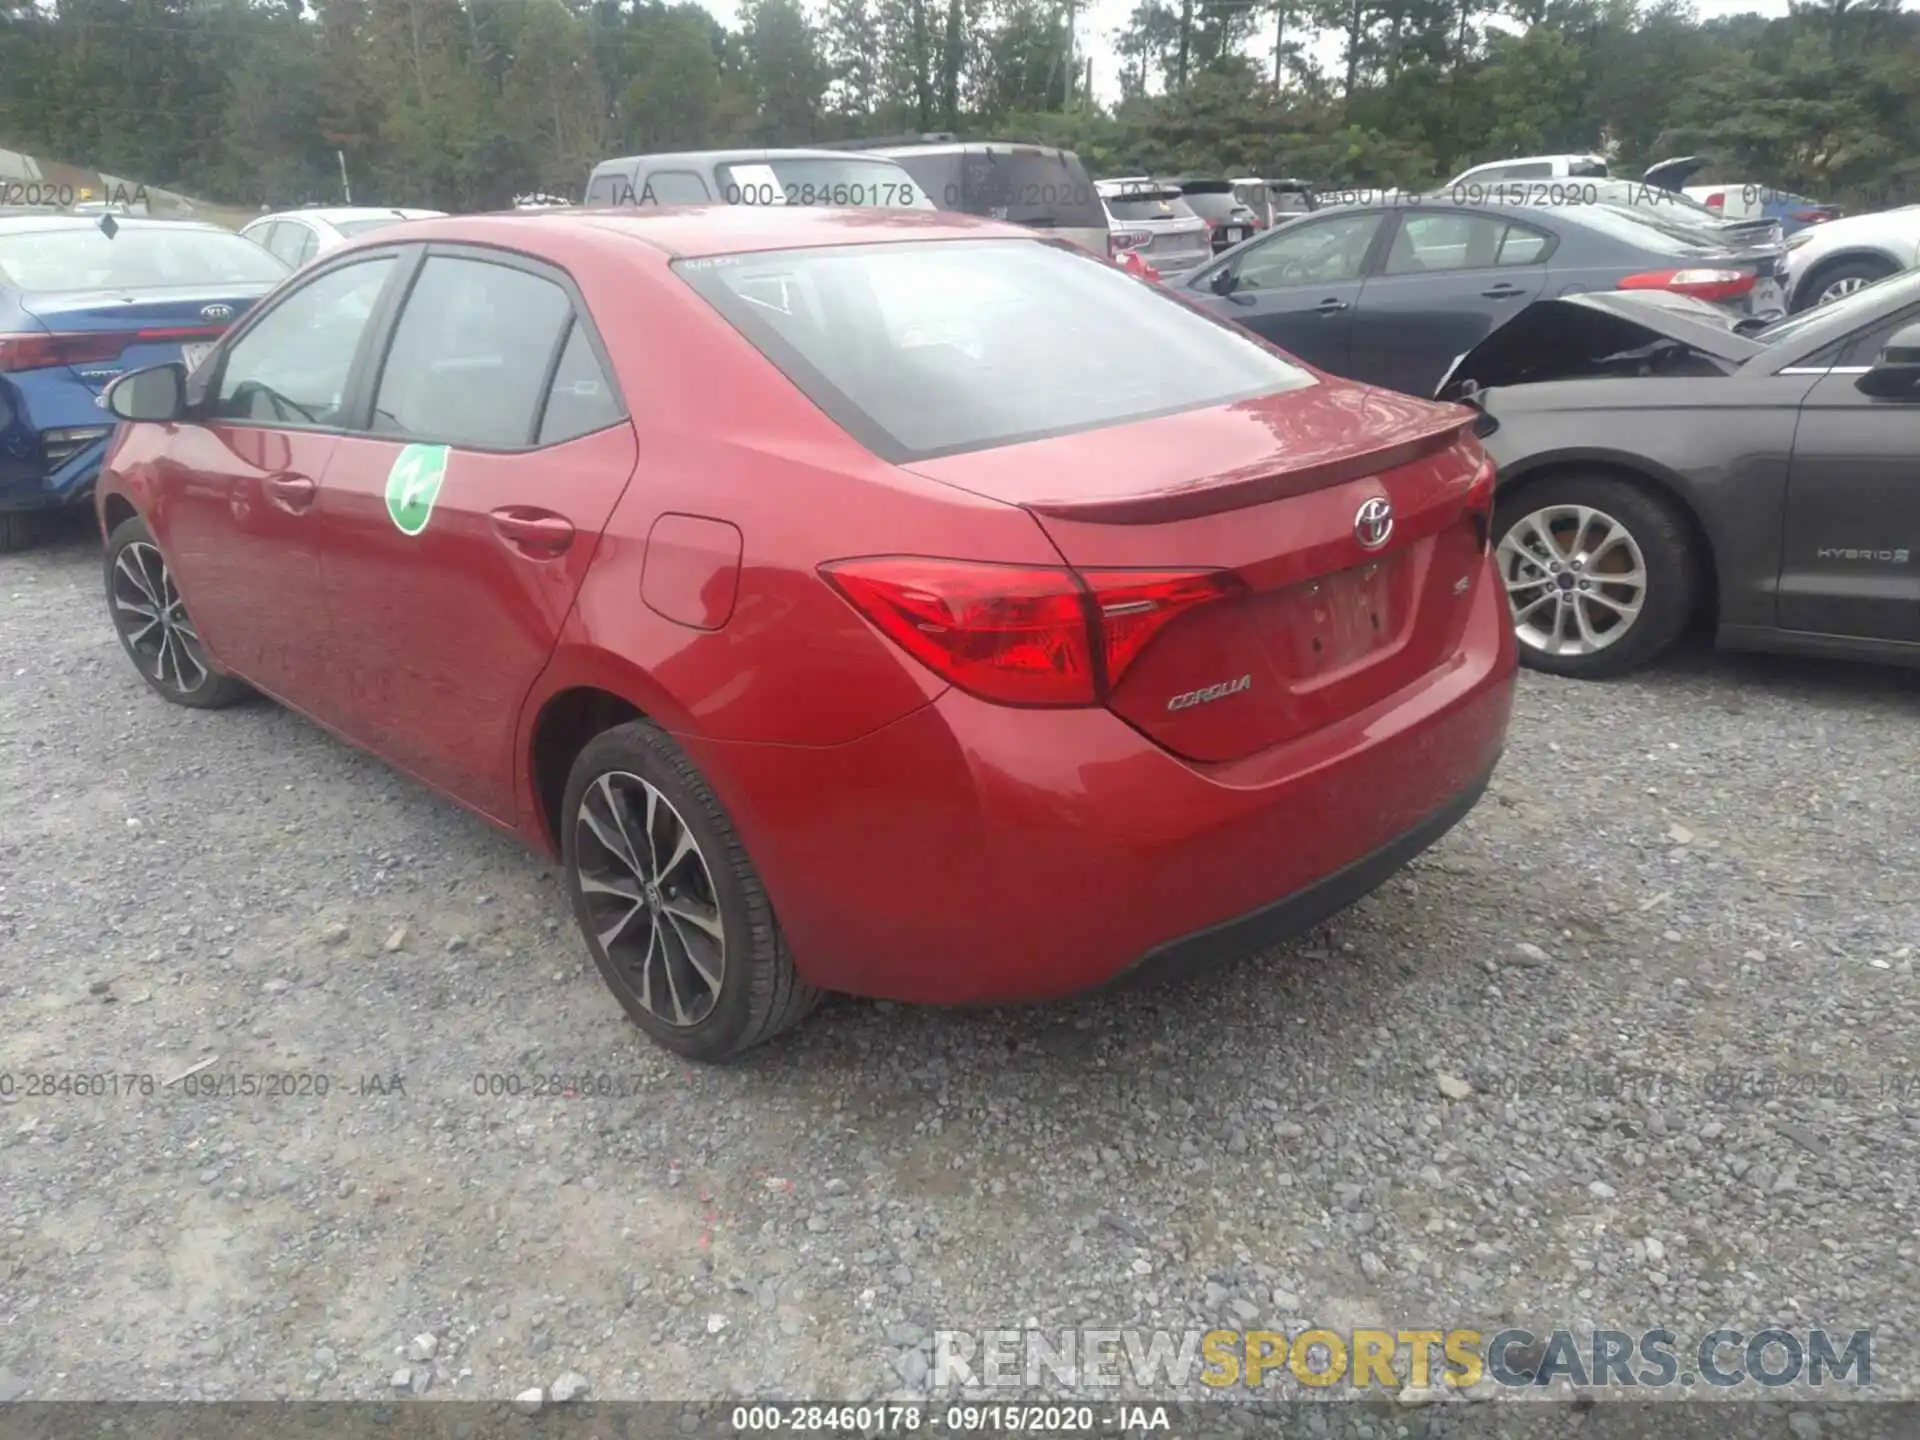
pixel 1234 490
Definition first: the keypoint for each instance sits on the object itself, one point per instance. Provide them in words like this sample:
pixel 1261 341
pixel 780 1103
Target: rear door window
pixel 305 242
pixel 285 238
pixel 580 400
pixel 472 355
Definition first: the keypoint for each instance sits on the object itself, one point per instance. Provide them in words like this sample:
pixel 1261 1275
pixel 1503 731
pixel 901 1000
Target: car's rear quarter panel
pixel 724 436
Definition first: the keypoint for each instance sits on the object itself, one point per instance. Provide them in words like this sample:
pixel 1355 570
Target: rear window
pixel 1212 204
pixel 1149 205
pixel 919 350
pixel 1704 230
pixel 136 257
pixel 368 225
pixel 820 181
pixel 1637 226
pixel 1026 187
pixel 1538 170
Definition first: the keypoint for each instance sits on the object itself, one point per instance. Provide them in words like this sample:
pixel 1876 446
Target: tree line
pixel 464 104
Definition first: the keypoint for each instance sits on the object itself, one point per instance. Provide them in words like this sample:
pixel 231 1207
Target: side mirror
pixel 1221 281
pixel 157 393
pixel 1896 374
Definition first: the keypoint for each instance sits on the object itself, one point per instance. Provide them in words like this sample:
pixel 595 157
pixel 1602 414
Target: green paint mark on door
pixel 413 484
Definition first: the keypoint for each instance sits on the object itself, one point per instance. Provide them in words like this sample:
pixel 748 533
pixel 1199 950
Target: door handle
pixel 1503 291
pixel 292 493
pixel 539 533
pixel 1329 306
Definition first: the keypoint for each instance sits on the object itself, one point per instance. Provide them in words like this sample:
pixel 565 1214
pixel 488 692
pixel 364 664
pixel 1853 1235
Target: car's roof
pixel 21 224
pixel 735 157
pixel 689 231
pixel 331 214
pixel 954 147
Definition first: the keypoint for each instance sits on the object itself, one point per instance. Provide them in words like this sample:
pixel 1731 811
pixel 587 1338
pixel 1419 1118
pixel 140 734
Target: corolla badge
pixel 1373 523
pixel 216 312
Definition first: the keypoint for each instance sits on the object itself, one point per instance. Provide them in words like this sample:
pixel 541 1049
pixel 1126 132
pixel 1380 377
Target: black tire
pixel 759 993
pixel 213 689
pixel 17 532
pixel 1869 271
pixel 1672 569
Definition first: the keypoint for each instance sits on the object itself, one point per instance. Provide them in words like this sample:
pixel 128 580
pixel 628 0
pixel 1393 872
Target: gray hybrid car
pixel 1662 463
pixel 1391 293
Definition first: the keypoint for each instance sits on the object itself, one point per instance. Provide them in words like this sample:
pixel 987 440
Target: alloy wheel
pixel 1846 285
pixel 153 620
pixel 650 897
pixel 1576 579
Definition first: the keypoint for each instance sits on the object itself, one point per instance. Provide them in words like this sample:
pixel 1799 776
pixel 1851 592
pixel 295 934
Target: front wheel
pixel 153 625
pixel 672 909
pixel 1600 574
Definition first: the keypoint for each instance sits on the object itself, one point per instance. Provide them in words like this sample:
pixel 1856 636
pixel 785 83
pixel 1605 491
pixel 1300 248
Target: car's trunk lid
pixel 107 333
pixel 1673 174
pixel 1316 624
pixel 1577 335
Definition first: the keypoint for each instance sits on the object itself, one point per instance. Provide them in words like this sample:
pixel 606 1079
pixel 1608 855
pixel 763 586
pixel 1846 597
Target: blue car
pixel 83 299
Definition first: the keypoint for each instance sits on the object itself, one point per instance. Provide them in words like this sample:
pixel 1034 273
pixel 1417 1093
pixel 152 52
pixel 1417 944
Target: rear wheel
pixel 1830 282
pixel 1600 574
pixel 153 625
pixel 670 905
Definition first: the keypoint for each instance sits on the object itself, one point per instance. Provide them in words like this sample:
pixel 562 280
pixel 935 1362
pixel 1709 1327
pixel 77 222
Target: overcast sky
pixel 1097 22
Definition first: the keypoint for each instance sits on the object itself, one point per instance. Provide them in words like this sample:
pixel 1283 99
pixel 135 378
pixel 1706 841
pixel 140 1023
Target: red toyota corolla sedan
pixel 896 603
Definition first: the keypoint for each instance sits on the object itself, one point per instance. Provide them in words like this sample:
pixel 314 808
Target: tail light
pixel 1815 217
pixel 39 351
pixel 1022 635
pixel 1479 503
pixel 1700 284
pixel 1120 240
pixel 1716 201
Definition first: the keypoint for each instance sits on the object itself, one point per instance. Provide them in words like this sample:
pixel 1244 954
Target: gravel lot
pixel 1707 870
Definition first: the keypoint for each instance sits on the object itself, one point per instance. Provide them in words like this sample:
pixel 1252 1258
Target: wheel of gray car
pixel 672 909
pixel 1831 281
pixel 1600 573
pixel 153 625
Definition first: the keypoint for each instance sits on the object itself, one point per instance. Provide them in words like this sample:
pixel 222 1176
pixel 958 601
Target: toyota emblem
pixel 1374 523
pixel 216 312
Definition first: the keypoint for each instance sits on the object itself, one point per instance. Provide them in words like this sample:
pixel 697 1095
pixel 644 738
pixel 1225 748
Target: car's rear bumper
pixel 25 485
pixel 973 853
pixel 1292 914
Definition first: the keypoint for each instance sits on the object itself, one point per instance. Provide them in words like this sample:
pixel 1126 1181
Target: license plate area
pixel 1234 234
pixel 194 352
pixel 1328 625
